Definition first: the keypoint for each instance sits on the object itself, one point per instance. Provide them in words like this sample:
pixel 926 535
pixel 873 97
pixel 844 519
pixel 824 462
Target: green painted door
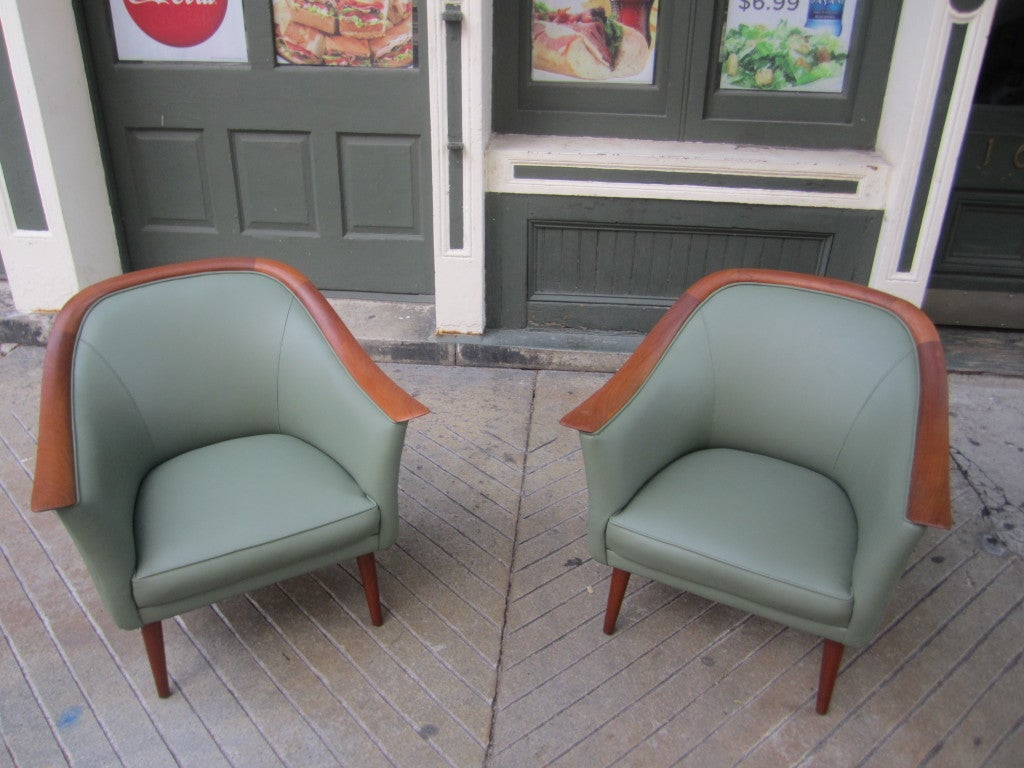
pixel 324 167
pixel 978 277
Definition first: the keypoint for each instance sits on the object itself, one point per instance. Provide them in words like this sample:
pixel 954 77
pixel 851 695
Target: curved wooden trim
pixel 598 409
pixel 394 401
pixel 55 485
pixel 929 502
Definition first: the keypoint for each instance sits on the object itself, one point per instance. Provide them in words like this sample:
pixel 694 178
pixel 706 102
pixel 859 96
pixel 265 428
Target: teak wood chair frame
pixel 929 502
pixel 55 483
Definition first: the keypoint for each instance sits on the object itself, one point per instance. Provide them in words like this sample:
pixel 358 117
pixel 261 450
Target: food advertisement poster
pixel 779 45
pixel 179 30
pixel 594 40
pixel 345 33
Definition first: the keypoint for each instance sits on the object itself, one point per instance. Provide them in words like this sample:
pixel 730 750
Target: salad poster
pixel 779 45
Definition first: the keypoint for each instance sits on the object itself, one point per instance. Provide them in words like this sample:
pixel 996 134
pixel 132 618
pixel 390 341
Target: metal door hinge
pixel 452 13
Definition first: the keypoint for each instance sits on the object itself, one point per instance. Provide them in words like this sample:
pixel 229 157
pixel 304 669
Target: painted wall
pixel 78 246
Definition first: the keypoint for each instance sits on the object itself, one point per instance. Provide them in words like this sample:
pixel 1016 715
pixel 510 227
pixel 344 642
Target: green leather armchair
pixel 210 428
pixel 777 443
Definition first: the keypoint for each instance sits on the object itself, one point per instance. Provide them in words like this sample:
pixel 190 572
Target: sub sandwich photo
pixel 589 44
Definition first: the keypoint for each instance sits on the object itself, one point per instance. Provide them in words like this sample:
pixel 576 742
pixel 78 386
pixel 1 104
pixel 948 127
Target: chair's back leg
pixel 368 573
pixel 831 656
pixel 153 637
pixel 617 590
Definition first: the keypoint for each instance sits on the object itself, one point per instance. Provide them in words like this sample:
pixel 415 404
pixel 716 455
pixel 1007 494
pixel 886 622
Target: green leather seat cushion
pixel 229 512
pixel 764 530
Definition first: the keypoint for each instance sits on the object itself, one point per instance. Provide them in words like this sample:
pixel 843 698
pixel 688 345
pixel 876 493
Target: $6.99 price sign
pixel 769 5
pixel 830 14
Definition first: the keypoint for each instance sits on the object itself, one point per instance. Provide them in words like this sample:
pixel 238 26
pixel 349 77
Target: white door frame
pixel 45 268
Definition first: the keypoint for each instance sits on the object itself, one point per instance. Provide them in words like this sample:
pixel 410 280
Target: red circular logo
pixel 181 23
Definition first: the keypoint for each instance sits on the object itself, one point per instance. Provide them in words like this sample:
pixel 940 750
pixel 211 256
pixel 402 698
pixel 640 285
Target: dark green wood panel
pixel 983 247
pixel 617 264
pixel 380 186
pixel 274 179
pixel 646 176
pixel 325 168
pixel 647 262
pixel 169 180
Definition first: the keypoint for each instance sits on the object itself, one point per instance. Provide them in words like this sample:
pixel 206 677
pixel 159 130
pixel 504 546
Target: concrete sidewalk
pixel 404 332
pixel 491 652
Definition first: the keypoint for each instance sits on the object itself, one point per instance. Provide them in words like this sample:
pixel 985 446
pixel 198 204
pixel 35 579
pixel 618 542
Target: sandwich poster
pixel 179 30
pixel 594 40
pixel 779 45
pixel 345 33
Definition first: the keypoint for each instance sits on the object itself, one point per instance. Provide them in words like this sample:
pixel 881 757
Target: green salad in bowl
pixel 756 56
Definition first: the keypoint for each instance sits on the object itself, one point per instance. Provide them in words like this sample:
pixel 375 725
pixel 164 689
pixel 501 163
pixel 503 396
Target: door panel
pixel 978 275
pixel 325 168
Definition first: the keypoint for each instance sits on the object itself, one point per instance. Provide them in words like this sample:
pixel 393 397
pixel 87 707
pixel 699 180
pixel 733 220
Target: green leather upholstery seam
pixel 731 564
pixel 867 400
pixel 711 355
pixel 280 355
pixel 125 389
pixel 372 505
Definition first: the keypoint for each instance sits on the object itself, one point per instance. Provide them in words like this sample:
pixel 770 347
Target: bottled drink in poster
pixel 636 14
pixel 826 16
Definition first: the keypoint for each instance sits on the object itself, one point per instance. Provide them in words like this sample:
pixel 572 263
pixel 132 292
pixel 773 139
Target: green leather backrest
pixel 794 369
pixel 782 371
pixel 196 357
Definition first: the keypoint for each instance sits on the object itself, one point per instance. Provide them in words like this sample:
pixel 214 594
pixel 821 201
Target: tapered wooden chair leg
pixel 368 573
pixel 153 637
pixel 831 656
pixel 617 590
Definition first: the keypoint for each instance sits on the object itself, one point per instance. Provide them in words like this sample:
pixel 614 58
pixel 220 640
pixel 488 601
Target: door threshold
pixel 977 309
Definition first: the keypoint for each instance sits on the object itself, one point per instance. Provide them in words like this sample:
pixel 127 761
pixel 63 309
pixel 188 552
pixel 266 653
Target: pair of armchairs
pixel 777 443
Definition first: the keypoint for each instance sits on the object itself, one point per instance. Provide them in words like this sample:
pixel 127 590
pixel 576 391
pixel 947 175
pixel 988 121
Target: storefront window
pixel 346 33
pixel 208 31
pixel 583 40
pixel 779 45
pixel 780 72
pixel 377 34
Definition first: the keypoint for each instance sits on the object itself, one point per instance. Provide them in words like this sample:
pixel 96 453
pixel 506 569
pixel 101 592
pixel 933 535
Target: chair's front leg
pixel 617 590
pixel 368 573
pixel 831 656
pixel 153 637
